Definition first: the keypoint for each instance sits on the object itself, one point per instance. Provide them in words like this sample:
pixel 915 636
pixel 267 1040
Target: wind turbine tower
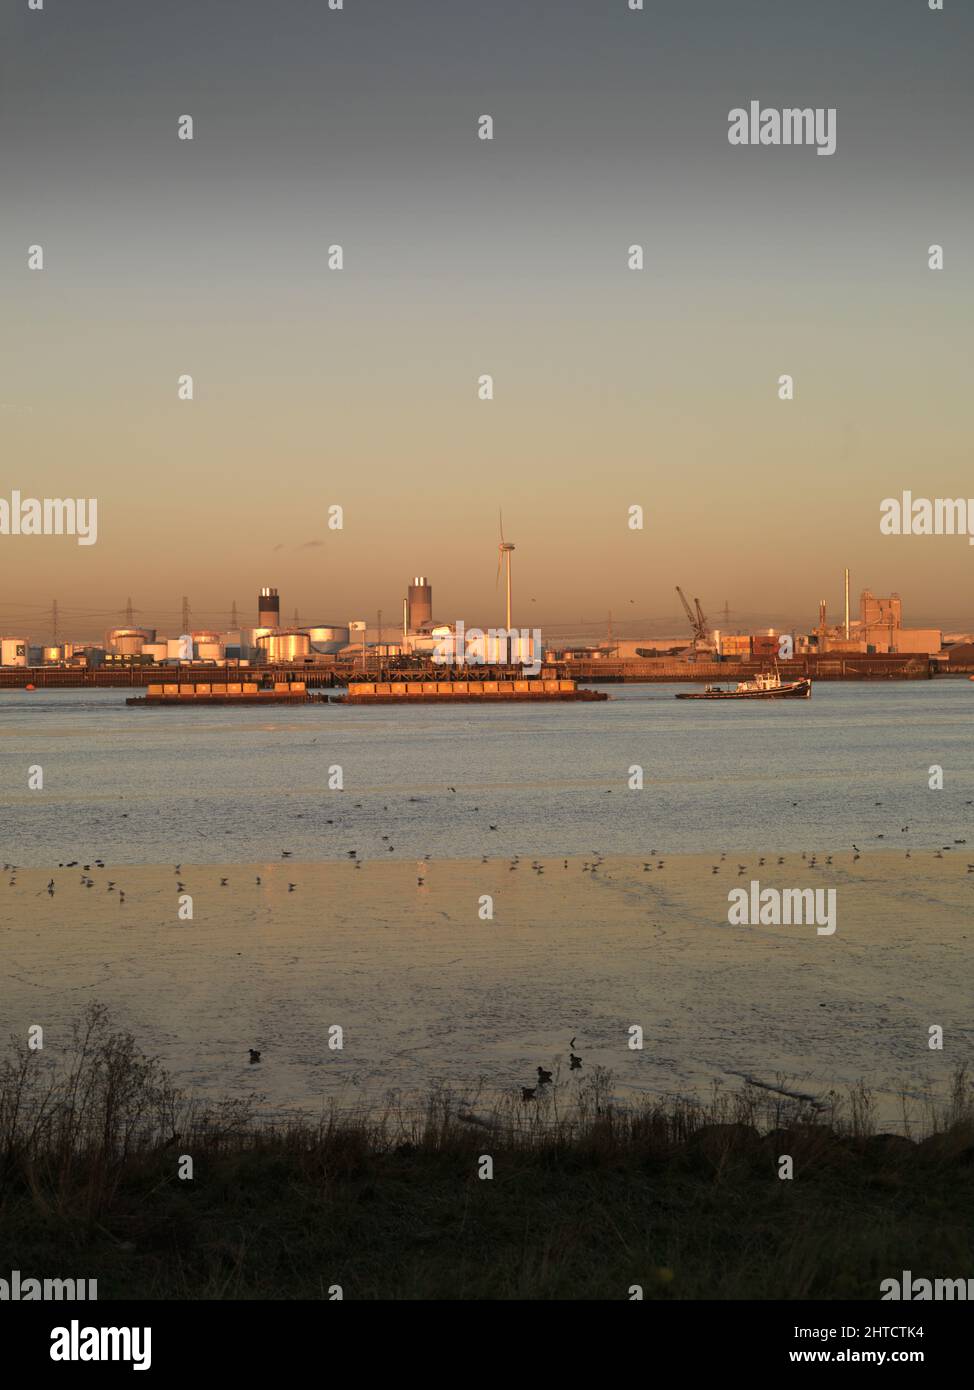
pixel 504 550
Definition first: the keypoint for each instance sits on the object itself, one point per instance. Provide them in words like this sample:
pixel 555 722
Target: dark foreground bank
pixel 107 1172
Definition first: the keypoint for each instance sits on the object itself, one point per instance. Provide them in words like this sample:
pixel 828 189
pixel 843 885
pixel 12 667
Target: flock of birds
pixel 591 866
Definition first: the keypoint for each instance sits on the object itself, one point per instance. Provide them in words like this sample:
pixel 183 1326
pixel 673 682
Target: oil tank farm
pixel 284 647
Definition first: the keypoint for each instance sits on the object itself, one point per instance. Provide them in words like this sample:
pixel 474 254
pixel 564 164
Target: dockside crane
pixel 698 622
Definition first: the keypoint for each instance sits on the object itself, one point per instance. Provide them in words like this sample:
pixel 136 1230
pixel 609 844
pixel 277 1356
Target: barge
pixel 189 694
pixel 533 691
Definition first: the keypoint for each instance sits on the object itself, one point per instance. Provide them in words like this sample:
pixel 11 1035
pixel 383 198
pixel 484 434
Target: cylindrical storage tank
pixel 420 604
pixel 127 641
pixel 327 640
pixel 281 647
pixel 207 645
pixel 268 608
pixel 179 648
pixel 13 651
pixel 51 655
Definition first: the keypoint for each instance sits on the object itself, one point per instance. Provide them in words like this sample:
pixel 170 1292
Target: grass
pixel 680 1197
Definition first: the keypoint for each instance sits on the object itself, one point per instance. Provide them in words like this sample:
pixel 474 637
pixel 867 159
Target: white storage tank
pixel 209 650
pixel 127 641
pixel 327 639
pixel 13 651
pixel 179 648
pixel 284 647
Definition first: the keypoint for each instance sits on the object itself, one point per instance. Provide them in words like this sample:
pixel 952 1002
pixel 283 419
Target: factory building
pixel 881 628
pixel 878 630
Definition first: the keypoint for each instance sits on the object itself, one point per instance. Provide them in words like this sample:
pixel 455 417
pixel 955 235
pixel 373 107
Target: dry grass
pixel 680 1196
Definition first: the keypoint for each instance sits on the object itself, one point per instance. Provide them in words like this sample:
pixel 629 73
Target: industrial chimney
pixel 420 604
pixel 268 608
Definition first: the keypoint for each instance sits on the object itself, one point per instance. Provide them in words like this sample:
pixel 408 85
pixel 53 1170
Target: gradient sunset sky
pixel 463 257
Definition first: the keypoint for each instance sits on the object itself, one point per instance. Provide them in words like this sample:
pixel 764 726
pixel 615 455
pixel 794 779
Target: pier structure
pixel 335 674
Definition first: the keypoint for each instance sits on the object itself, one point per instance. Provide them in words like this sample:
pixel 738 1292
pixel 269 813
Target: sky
pixel 462 257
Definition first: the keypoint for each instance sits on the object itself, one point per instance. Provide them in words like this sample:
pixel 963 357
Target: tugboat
pixel 768 686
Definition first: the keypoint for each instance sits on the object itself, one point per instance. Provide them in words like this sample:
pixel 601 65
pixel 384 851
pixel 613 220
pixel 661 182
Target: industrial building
pixel 878 629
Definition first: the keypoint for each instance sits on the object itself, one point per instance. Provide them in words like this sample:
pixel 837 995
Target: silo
pixel 283 647
pixel 208 646
pixel 268 608
pixel 13 651
pixel 420 604
pixel 126 641
pixel 327 639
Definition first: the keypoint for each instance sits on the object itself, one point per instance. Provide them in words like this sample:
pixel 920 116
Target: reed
pixel 588 1197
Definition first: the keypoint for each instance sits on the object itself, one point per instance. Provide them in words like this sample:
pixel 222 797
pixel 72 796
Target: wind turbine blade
pixel 500 517
pixel 500 563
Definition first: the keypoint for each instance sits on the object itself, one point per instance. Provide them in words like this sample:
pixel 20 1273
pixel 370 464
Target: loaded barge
pixel 507 692
pixel 198 694
pixel 190 694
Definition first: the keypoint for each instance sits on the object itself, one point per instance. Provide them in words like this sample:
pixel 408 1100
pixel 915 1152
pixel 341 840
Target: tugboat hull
pixel 789 690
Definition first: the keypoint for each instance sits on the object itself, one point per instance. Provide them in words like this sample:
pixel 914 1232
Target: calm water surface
pixel 223 785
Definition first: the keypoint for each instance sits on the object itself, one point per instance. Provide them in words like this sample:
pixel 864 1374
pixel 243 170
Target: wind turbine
pixel 504 549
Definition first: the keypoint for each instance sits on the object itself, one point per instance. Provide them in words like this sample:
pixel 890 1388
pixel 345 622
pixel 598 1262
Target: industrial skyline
pixel 415 613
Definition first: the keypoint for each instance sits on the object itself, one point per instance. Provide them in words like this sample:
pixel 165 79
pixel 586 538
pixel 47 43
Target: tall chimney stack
pixel 420 604
pixel 847 604
pixel 268 608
